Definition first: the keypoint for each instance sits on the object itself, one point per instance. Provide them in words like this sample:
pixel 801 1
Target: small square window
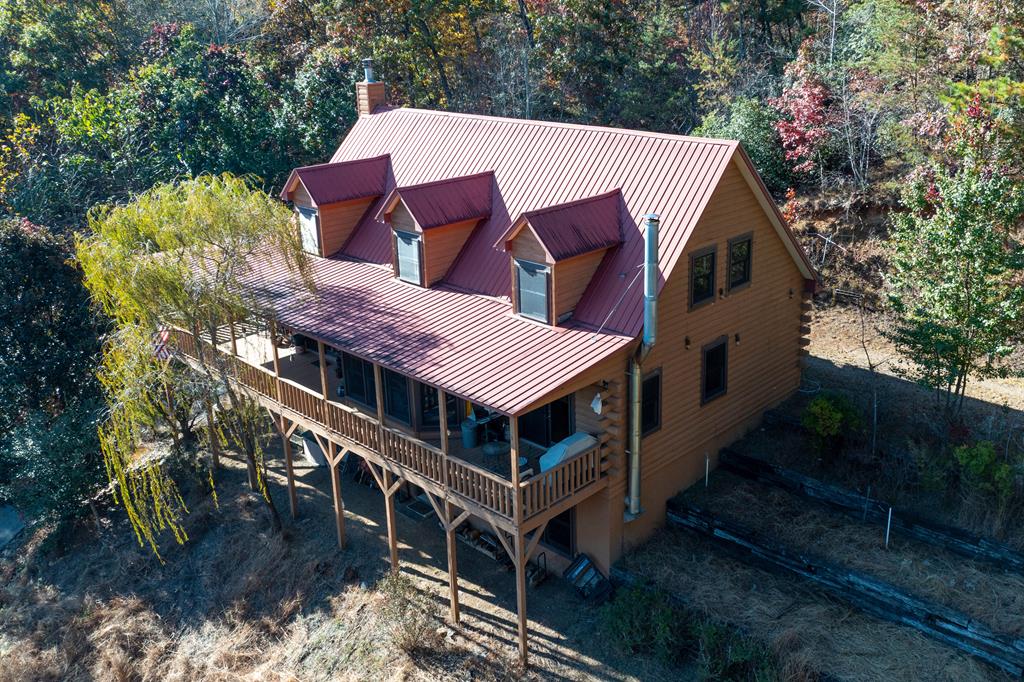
pixel 407 250
pixel 702 276
pixel 533 282
pixel 650 406
pixel 739 261
pixel 714 370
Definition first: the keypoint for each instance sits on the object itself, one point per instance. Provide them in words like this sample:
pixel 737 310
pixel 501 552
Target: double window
pixel 714 369
pixel 308 230
pixel 702 276
pixel 396 396
pixel 739 262
pixel 533 286
pixel 408 253
pixel 550 423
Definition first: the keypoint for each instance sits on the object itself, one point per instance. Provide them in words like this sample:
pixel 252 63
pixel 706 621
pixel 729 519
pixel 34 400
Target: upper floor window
pixel 702 276
pixel 650 406
pixel 714 369
pixel 308 230
pixel 739 261
pixel 533 286
pixel 407 257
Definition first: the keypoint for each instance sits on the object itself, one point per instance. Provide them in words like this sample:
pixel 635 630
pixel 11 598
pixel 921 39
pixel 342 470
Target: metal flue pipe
pixel 651 277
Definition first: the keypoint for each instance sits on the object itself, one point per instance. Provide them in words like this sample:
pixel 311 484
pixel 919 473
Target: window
pixel 359 382
pixel 407 249
pixel 739 262
pixel 429 417
pixel 560 533
pixel 549 423
pixel 714 370
pixel 702 276
pixel 308 230
pixel 396 396
pixel 532 285
pixel 650 403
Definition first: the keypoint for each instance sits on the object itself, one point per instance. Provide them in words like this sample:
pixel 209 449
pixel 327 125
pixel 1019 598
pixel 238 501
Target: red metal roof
pixel 444 202
pixel 462 335
pixel 537 165
pixel 576 227
pixel 329 183
pixel 470 345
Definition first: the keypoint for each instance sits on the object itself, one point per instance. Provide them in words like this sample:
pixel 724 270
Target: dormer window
pixel 408 249
pixel 533 289
pixel 309 230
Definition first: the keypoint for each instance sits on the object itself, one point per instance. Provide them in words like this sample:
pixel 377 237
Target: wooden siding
pixel 402 220
pixel 527 246
pixel 763 368
pixel 570 279
pixel 369 96
pixel 338 221
pixel 441 245
pixel 300 197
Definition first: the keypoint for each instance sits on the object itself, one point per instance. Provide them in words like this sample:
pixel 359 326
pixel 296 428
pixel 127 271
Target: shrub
pixel 753 124
pixel 725 654
pixel 407 614
pixel 642 621
pixel 983 470
pixel 831 419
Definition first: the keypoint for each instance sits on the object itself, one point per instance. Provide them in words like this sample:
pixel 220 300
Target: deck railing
pixel 458 477
pixel 555 485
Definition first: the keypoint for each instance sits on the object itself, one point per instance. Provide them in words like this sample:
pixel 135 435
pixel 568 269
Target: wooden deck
pixel 466 477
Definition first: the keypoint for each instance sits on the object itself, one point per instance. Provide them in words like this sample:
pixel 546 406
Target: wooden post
pixel 520 555
pixel 286 444
pixel 211 428
pixel 334 461
pixel 273 347
pixel 234 337
pixel 453 563
pixel 323 370
pixel 389 511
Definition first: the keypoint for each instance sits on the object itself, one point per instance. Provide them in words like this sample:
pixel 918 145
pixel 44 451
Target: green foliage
pixel 752 123
pixel 321 106
pixel 984 470
pixel 409 616
pixel 832 419
pixel 647 622
pixel 179 255
pixel 955 285
pixel 50 335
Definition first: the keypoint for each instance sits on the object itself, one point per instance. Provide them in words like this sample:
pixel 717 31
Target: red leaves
pixel 805 128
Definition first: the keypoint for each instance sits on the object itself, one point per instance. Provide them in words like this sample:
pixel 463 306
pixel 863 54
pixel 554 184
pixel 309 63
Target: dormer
pixel 555 252
pixel 331 198
pixel 431 222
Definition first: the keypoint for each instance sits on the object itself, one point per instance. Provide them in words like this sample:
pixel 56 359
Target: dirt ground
pixel 238 603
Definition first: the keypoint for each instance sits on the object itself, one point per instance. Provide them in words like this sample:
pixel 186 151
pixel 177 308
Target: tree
pixel 184 255
pixel 957 280
pixel 49 460
pixel 752 123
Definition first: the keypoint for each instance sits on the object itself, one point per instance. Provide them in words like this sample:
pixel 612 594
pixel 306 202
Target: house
pixel 544 329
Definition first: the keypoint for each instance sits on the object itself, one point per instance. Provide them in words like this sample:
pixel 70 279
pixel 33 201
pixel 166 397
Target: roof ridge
pixel 569 204
pixel 443 181
pixel 561 124
pixel 324 166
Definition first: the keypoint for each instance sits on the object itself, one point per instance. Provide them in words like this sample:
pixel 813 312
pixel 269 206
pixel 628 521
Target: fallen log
pixel 864 592
pixel 864 508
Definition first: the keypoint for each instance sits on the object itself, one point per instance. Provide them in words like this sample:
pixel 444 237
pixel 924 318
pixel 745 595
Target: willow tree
pixel 188 255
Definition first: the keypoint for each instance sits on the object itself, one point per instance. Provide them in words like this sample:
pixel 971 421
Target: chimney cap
pixel 368 69
pixel 652 218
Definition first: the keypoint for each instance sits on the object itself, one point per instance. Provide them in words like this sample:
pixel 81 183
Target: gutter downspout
pixel 651 222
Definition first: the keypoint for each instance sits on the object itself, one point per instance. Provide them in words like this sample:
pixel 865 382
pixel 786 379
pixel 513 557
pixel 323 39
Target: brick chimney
pixel 370 93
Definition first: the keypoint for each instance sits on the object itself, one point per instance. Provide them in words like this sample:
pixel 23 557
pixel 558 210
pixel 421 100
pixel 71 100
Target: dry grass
pixel 236 603
pixel 801 623
pixel 991 595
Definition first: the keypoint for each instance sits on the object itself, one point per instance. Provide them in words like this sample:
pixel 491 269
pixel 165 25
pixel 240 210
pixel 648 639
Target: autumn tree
pixel 957 278
pixel 186 255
